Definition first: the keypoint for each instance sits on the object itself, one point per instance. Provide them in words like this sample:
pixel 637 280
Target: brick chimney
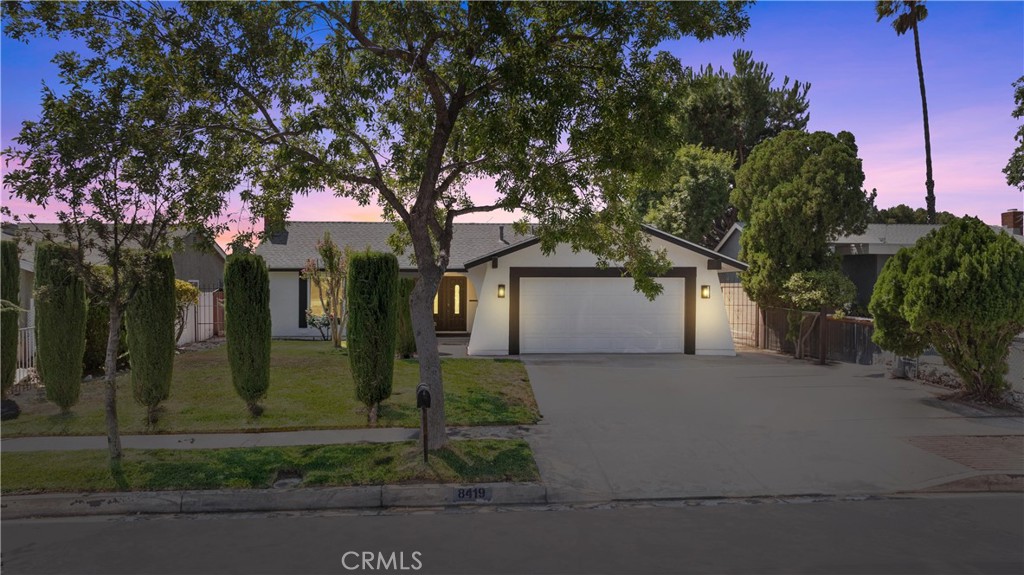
pixel 1014 220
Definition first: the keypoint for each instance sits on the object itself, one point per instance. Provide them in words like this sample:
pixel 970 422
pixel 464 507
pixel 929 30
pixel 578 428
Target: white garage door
pixel 598 315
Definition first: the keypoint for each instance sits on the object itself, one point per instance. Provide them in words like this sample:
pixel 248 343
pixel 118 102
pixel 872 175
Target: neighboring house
pixel 27 274
pixel 512 299
pixel 863 255
pixel 203 268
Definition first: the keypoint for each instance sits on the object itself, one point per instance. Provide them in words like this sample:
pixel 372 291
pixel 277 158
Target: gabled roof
pixel 649 229
pixel 736 228
pixel 289 250
pixel 877 238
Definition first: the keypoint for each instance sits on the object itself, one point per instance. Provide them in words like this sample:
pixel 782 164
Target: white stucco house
pixel 511 299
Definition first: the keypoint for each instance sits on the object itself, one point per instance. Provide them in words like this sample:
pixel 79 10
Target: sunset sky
pixel 863 79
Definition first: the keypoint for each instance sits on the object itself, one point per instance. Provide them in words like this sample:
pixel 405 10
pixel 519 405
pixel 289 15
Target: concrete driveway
pixel 667 426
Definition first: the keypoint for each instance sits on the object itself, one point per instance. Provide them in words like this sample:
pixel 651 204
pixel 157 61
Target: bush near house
pixel 60 324
pixel 372 326
pixel 247 319
pixel 150 323
pixel 9 288
pixel 958 289
pixel 406 345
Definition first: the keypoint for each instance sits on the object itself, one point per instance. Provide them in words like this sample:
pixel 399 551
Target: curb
pixel 256 500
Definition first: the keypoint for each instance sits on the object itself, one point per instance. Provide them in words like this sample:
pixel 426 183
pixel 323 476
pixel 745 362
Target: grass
pixel 467 461
pixel 311 387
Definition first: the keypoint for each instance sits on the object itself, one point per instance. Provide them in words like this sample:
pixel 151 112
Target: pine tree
pixel 60 324
pixel 247 319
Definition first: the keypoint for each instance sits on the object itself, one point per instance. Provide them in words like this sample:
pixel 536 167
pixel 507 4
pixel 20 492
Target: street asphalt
pixel 964 534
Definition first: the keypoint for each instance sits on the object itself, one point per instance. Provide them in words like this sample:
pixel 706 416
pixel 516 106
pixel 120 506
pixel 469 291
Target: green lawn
pixel 469 461
pixel 310 388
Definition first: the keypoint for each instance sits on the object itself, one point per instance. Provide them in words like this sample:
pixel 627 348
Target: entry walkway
pixel 269 439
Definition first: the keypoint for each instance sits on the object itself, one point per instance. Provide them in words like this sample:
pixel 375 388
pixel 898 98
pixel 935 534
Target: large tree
pixel 402 103
pixel 958 288
pixel 729 112
pixel 905 15
pixel 733 112
pixel 110 156
pixel 695 192
pixel 904 214
pixel 1014 169
pixel 797 192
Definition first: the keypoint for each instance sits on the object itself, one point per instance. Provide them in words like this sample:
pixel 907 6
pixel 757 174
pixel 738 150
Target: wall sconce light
pixel 705 292
pixel 501 290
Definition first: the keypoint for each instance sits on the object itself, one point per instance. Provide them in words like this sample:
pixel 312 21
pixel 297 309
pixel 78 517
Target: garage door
pixel 598 315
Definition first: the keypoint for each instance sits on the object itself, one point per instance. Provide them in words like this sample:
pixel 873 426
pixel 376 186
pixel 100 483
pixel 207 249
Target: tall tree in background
pixel 1014 169
pixel 733 112
pixel 696 191
pixel 400 103
pixel 111 155
pixel 905 15
pixel 729 112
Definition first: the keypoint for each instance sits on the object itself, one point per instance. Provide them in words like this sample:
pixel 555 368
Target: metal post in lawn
pixel 423 402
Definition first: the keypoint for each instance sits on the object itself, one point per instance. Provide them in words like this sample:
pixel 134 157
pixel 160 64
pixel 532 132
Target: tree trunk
pixel 928 182
pixel 804 334
pixel 421 306
pixel 113 338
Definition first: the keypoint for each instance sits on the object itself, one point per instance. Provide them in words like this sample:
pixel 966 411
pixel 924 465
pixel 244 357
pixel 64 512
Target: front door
pixel 450 304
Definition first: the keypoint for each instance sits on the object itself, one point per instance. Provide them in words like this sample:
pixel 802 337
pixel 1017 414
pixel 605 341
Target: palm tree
pixel 905 15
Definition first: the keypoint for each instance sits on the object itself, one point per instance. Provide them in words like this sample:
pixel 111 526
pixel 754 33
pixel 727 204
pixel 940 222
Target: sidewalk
pixel 268 439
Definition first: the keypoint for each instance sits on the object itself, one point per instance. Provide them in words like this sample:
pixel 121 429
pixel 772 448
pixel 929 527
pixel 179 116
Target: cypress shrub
pixel 10 277
pixel 150 323
pixel 372 326
pixel 406 338
pixel 247 319
pixel 60 325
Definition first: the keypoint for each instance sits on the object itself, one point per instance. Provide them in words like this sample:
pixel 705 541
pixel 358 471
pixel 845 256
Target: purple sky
pixel 863 79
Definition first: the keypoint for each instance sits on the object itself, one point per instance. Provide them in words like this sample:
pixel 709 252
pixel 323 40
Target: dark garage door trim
pixel 689 295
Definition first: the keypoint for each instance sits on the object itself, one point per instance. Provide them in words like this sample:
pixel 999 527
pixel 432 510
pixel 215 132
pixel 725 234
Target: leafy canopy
pixel 797 192
pixel 696 191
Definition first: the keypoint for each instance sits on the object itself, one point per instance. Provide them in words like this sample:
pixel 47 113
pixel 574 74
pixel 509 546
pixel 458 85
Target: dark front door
pixel 450 304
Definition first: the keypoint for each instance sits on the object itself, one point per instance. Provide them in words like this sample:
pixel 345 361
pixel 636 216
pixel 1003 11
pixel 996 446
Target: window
pixel 435 304
pixel 316 305
pixel 457 310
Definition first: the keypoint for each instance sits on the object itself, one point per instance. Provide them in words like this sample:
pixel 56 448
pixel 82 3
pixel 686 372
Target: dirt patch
pixel 981 452
pixel 993 483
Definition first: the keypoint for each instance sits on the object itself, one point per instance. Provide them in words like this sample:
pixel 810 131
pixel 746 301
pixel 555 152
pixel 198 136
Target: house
pixel 864 255
pixel 511 299
pixel 204 268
